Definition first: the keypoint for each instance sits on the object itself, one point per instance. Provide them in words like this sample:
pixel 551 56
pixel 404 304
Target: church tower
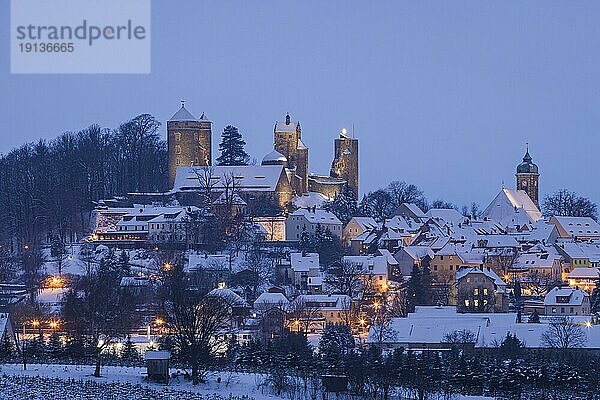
pixel 527 178
pixel 345 161
pixel 288 141
pixel 188 141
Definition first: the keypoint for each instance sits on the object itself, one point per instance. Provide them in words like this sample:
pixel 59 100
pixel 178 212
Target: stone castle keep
pixel 189 141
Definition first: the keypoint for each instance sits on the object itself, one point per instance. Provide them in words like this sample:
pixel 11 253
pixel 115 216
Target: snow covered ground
pixel 67 380
pixel 74 382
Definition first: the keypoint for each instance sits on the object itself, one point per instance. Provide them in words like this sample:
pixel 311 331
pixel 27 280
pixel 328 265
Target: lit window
pixel 177 149
pixel 177 136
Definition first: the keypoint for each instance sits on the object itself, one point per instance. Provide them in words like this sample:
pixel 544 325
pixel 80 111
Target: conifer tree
pixel 6 348
pixel 129 352
pixel 595 298
pixel 54 345
pixel 232 148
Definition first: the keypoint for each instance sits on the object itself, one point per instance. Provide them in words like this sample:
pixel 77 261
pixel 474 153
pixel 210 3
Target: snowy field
pixel 75 382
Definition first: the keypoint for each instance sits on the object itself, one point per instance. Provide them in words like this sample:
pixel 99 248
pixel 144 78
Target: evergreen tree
pixel 595 298
pixel 129 352
pixel 327 245
pixel 343 206
pixel 511 346
pixel 415 288
pixel 123 263
pixel 232 148
pixel 534 318
pixel 54 346
pixel 335 343
pixel 6 348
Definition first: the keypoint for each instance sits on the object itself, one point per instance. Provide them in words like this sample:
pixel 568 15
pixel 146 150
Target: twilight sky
pixel 441 94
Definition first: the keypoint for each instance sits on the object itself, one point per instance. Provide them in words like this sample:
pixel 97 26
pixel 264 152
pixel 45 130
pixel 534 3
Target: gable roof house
pixel 567 301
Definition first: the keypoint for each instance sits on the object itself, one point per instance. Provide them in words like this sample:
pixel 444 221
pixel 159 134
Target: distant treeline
pixel 48 188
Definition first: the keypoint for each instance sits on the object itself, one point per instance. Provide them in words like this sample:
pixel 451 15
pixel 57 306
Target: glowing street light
pixel 53 324
pixel 167 266
pixel 35 323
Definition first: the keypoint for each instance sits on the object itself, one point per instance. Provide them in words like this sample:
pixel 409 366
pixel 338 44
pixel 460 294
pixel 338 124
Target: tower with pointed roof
pixel 528 178
pixel 288 142
pixel 345 161
pixel 188 141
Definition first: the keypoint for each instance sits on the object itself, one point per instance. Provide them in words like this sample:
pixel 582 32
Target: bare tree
pixel 99 311
pixel 344 278
pixel 563 333
pixel 569 204
pixel 301 315
pixel 204 175
pixel 194 317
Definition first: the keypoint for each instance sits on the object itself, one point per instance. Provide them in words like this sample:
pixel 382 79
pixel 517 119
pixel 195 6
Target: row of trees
pixel 48 188
pixel 507 371
pixel 382 203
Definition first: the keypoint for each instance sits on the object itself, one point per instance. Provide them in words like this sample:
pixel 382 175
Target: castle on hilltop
pixel 282 174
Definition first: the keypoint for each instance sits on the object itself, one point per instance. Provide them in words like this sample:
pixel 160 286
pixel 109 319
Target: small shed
pixel 157 365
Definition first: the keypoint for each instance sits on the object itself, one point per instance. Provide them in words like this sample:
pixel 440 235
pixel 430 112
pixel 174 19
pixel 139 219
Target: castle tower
pixel 288 141
pixel 527 178
pixel 345 161
pixel 188 141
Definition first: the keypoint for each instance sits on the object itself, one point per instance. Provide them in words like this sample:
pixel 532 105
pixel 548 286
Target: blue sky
pixel 441 94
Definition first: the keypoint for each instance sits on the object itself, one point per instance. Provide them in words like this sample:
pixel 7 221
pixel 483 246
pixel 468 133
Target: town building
pixel 306 220
pixel 576 227
pixel 567 301
pixel 479 289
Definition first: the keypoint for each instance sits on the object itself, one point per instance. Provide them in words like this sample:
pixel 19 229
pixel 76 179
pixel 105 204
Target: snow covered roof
pixel 577 226
pixel 310 199
pixel 565 296
pixel 183 115
pixel 411 210
pixel 301 145
pixel 535 260
pixel 512 207
pixel 235 200
pixel 418 252
pixel 446 214
pixel 304 263
pixel 274 157
pixel 463 272
pixel 207 261
pixel 157 355
pixel 317 216
pixel 270 299
pixel 290 126
pixel 429 325
pixel 369 265
pixel 584 273
pixel 590 251
pixel 229 295
pixel 325 301
pixel 248 177
pixel 364 222
pixel 388 256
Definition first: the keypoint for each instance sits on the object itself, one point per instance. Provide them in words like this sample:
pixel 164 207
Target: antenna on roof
pixel 182 103
pixel 353 130
pixel 527 146
pixel 502 183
